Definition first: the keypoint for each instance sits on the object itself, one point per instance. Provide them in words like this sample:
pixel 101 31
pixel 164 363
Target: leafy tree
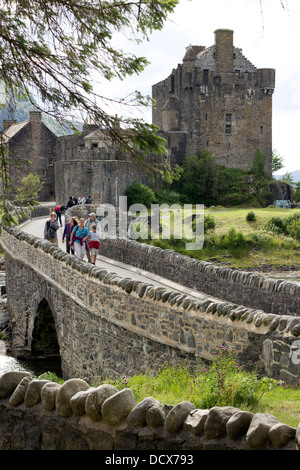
pixel 31 186
pixel 139 193
pixel 287 178
pixel 199 180
pixel 296 195
pixel 277 161
pixel 51 51
pixel 258 164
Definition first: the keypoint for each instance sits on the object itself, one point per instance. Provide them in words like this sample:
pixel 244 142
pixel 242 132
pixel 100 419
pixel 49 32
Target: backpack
pixel 57 208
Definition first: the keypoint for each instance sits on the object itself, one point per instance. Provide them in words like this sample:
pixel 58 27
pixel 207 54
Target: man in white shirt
pixel 81 199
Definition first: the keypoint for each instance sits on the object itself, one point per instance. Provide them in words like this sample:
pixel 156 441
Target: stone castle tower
pixel 216 100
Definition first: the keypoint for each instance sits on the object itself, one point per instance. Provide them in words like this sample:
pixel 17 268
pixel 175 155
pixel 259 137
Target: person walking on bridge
pixel 50 229
pixel 79 238
pixel 67 234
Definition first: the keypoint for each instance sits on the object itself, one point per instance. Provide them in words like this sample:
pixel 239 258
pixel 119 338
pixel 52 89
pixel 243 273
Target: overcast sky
pixel 269 36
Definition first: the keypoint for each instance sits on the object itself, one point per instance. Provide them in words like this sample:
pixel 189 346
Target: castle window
pixel 205 76
pixel 172 84
pixel 228 129
pixel 261 130
pixel 228 145
pixel 228 118
pixel 94 145
pixel 207 143
pixel 206 117
pixel 217 80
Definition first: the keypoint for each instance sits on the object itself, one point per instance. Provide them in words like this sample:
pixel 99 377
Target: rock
pixel 195 421
pixel 10 380
pixel 238 424
pixel 78 400
pixel 33 392
pixel 96 398
pixel 48 395
pixel 18 395
pixel 65 393
pixel 259 428
pixel 137 416
pixel 217 418
pixel 118 406
pixel 176 417
pixel 281 433
pixel 155 416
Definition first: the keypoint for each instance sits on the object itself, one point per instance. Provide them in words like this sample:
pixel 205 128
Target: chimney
pixel 35 117
pixel 224 49
pixel 7 123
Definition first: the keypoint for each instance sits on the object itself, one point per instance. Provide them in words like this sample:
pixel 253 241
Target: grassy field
pixel 278 251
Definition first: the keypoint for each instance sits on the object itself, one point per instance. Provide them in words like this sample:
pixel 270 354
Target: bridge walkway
pixel 36 227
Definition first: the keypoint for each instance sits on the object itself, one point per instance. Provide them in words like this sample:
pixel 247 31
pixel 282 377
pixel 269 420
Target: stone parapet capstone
pixel 42 415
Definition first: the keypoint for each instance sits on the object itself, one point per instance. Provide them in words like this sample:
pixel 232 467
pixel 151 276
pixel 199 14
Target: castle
pixel 215 100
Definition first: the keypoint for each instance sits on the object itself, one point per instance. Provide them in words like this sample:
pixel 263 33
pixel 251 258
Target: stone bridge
pixel 114 319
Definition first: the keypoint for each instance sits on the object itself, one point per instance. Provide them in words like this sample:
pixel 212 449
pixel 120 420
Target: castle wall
pixel 95 172
pixel 36 143
pixel 223 103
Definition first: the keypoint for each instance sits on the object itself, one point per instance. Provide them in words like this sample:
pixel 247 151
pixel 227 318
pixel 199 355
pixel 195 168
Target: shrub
pixel 293 229
pixel 250 217
pixel 139 193
pixel 209 223
pixel 233 239
pixel 168 196
pixel 282 225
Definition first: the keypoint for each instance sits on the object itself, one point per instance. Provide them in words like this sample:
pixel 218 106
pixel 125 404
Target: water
pixel 292 276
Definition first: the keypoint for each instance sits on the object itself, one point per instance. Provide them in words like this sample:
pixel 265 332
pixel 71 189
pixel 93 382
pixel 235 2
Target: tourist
pixel 75 201
pixel 88 200
pixel 79 238
pixel 70 202
pixel 67 234
pixel 57 210
pixel 81 200
pixel 92 220
pixel 94 243
pixel 50 230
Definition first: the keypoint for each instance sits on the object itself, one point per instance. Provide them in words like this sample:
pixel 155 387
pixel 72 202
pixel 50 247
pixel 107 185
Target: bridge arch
pixel 44 342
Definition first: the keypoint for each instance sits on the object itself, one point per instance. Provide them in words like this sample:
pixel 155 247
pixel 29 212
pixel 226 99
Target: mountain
pixel 21 113
pixel 294 174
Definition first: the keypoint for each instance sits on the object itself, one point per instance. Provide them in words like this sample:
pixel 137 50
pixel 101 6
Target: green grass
pixel 221 383
pixel 271 249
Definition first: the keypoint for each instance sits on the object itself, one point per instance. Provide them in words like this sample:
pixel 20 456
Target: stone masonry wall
pixel 108 325
pixel 42 415
pixel 244 288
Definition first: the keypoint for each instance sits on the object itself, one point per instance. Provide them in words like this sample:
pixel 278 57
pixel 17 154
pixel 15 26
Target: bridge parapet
pixel 108 325
pixel 251 289
pixel 42 415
